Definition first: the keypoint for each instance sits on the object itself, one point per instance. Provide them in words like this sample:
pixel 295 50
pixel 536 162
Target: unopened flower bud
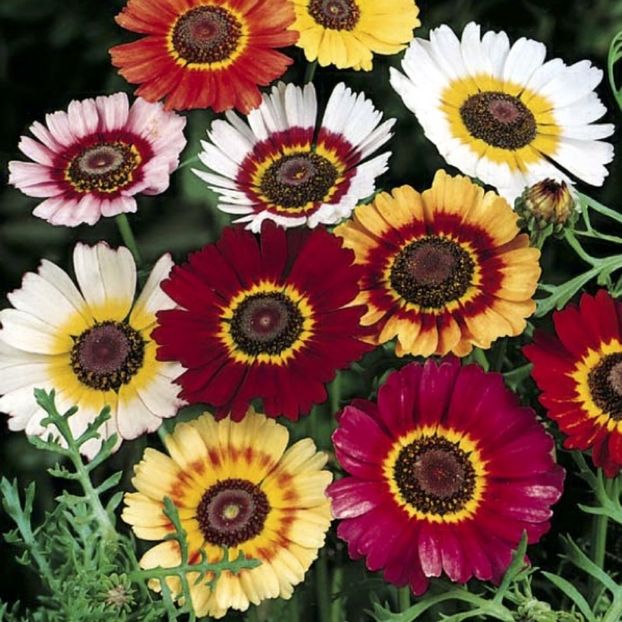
pixel 547 203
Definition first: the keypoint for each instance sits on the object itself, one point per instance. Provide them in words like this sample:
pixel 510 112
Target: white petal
pixel 524 58
pixel 152 299
pixel 107 279
pixel 133 417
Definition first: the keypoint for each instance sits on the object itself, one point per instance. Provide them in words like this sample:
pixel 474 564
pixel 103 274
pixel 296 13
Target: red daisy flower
pixel 580 375
pixel 205 53
pixel 447 471
pixel 269 318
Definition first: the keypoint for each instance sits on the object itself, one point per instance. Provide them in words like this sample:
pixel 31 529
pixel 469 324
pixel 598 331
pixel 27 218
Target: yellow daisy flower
pixel 346 33
pixel 235 485
pixel 443 270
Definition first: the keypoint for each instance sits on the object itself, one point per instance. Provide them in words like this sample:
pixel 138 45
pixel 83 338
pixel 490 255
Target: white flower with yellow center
pixel 92 345
pixel 501 113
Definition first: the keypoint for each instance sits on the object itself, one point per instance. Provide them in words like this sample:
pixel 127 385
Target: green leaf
pixel 572 593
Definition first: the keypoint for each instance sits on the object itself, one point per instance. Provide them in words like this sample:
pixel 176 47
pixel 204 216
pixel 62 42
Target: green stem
pixel 334 394
pixel 403 598
pixel 336 608
pixel 310 71
pixel 163 434
pixel 128 237
pixel 598 546
pixel 578 249
pixel 187 161
pixel 614 613
pixel 322 588
pixel 499 355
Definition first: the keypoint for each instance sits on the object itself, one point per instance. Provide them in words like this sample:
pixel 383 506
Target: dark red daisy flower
pixel 580 375
pixel 268 318
pixel 447 471
pixel 205 53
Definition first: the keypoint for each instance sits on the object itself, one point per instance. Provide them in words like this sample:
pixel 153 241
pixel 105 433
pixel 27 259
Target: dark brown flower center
pixel 232 511
pixel 293 181
pixel 431 272
pixel 434 475
pixel 206 34
pixel 499 119
pixel 107 355
pixel 105 167
pixel 266 324
pixel 605 383
pixel 335 14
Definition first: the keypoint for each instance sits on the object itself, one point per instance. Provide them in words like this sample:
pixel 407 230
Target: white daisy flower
pixel 92 345
pixel 502 114
pixel 271 167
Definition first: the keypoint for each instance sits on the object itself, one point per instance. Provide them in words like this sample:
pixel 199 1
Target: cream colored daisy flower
pixel 501 113
pixel 92 345
pixel 235 485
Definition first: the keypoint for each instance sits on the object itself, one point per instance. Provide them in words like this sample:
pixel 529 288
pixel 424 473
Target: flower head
pixel 269 318
pixel 92 345
pixel 447 471
pixel 346 33
pixel 281 167
pixel 93 159
pixel 205 53
pixel 547 203
pixel 444 270
pixel 579 372
pixel 501 113
pixel 235 485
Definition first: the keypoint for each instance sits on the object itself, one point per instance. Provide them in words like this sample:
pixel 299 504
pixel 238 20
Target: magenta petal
pixel 454 562
pixel 429 551
pixel 360 436
pixel 475 553
pixel 405 559
pixel 397 400
pixel 352 497
pixel 437 384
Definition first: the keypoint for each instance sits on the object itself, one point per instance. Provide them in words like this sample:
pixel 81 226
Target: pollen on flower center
pixel 335 14
pixel 605 384
pixel 105 167
pixel 434 475
pixel 266 323
pixel 431 272
pixel 206 34
pixel 293 181
pixel 232 511
pixel 499 119
pixel 107 355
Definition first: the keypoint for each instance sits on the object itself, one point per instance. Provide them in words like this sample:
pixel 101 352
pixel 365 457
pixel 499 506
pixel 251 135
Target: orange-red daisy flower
pixel 205 53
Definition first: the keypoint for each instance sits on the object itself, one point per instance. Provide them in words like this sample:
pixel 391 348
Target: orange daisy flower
pixel 205 53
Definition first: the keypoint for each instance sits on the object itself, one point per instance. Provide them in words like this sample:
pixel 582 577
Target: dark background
pixel 53 51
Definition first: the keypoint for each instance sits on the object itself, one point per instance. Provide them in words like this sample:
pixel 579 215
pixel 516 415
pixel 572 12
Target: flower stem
pixel 598 545
pixel 403 598
pixel 310 71
pixel 322 588
pixel 128 237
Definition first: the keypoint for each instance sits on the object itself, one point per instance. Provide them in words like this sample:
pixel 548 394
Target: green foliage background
pixel 52 51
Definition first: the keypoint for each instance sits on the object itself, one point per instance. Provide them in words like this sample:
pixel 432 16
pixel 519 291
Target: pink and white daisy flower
pixel 279 166
pixel 92 160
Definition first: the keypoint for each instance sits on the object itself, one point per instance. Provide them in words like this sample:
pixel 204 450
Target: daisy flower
pixel 205 53
pixel 272 167
pixel 92 345
pixel 579 372
pixel 501 113
pixel 236 486
pixel 446 472
pixel 93 159
pixel 443 270
pixel 269 318
pixel 346 33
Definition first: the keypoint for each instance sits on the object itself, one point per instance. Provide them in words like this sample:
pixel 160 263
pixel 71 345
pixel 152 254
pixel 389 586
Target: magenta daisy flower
pixel 93 159
pixel 446 472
